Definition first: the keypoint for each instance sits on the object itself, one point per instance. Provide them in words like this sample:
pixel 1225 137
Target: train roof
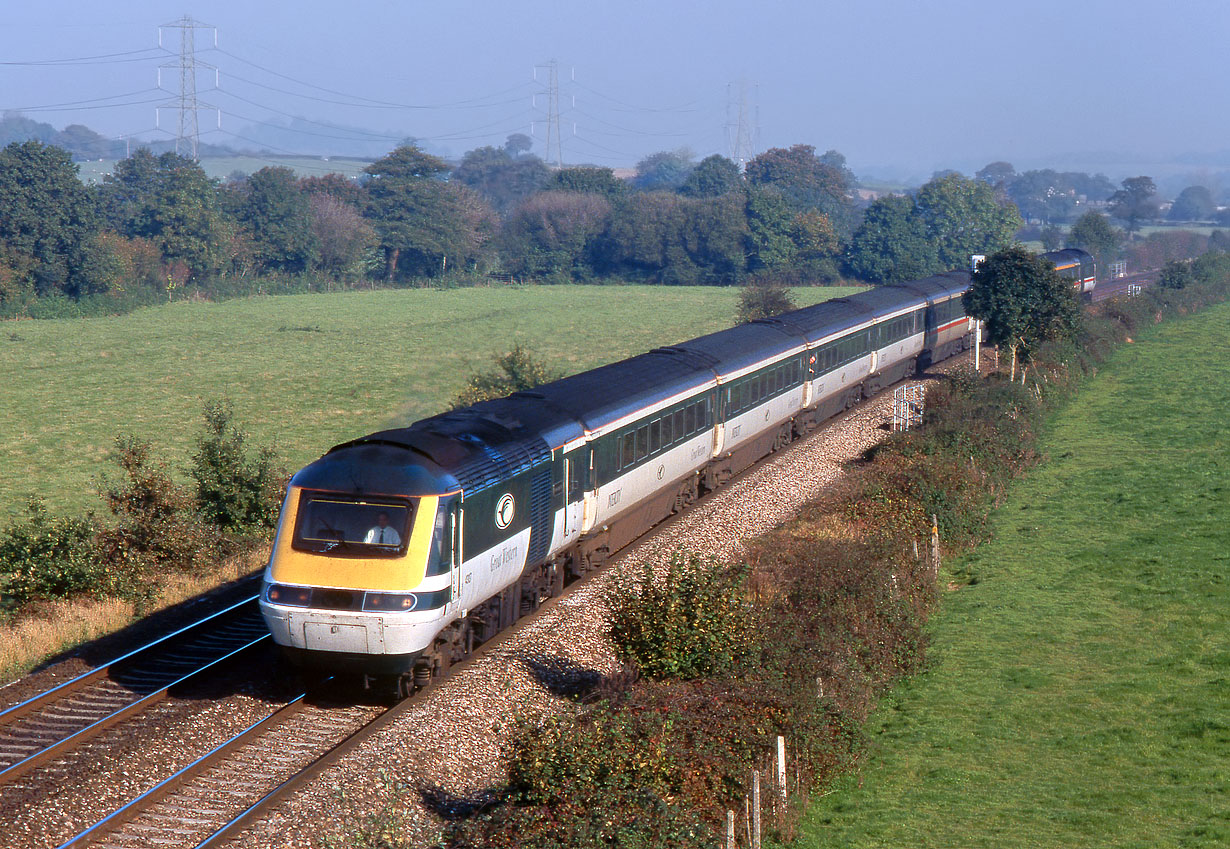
pixel 606 394
pixel 939 285
pixel 744 345
pixel 373 464
pixel 1067 256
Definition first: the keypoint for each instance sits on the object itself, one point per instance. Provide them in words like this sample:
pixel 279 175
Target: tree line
pixel 158 223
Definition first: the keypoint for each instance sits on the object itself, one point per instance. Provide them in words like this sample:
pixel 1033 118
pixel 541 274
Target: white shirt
pixel 382 536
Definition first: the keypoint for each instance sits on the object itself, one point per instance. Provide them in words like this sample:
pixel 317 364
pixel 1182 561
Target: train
pixel 398 552
pixel 1077 267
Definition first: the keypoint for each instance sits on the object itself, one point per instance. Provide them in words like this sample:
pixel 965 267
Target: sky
pixel 901 87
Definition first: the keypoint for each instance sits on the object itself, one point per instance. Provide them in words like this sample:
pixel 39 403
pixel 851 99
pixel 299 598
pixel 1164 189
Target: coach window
pixel 666 432
pixel 627 452
pixel 689 419
pixel 655 436
pixel 703 417
pixel 681 427
pixel 642 442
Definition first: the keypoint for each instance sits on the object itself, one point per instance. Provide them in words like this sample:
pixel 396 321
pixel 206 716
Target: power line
pixel 468 103
pixel 742 123
pixel 188 138
pixel 99 59
pixel 552 94
pixel 71 104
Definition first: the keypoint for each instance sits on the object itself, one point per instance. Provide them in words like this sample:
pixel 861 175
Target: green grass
pixel 303 371
pixel 1079 692
pixel 221 167
pixel 1201 229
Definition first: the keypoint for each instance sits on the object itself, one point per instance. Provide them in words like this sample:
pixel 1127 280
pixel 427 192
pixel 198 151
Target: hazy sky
pixel 894 84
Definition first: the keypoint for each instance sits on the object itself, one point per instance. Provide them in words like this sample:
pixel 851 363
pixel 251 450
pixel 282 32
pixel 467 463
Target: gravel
pixel 451 742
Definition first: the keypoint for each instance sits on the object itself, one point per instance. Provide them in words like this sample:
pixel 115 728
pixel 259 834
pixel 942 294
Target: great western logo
pixel 505 509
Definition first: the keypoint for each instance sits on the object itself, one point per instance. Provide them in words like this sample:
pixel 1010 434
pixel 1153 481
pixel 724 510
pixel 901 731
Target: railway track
pixel 214 798
pixel 43 728
pixel 211 800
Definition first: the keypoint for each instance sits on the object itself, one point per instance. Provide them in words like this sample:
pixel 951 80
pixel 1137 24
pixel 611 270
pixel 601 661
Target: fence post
pixel 755 809
pixel 935 547
pixel 747 818
pixel 730 829
pixel 781 769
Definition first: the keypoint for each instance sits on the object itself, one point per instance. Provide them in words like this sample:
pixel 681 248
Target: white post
pixel 730 829
pixel 977 346
pixel 781 767
pixel 755 809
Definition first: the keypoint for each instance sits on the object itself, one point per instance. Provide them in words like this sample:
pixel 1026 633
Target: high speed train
pixel 398 552
pixel 1077 267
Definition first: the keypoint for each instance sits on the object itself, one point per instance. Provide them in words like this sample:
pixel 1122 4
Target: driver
pixel 382 534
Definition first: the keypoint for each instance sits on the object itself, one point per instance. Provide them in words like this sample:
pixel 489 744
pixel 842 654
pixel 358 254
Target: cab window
pixel 371 528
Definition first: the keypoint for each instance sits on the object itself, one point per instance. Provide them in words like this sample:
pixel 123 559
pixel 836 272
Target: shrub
pixel 763 298
pixel 514 371
pixel 157 522
pixel 693 622
pixel 46 558
pixel 1176 274
pixel 234 490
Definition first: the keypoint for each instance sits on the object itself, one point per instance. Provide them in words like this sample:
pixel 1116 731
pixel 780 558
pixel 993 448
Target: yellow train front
pixel 359 578
pixel 367 575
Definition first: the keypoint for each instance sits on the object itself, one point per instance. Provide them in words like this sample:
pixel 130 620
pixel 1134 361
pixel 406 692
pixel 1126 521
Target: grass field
pixel 303 371
pixel 1079 691
pixel 221 167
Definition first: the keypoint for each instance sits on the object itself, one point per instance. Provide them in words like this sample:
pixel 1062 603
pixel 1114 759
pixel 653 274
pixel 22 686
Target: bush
pixel 514 371
pixel 763 298
pixel 234 491
pixel 47 558
pixel 693 622
pixel 157 525
pixel 1176 274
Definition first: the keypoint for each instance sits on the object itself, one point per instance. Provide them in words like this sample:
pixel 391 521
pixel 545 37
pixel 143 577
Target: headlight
pixel 390 601
pixel 293 596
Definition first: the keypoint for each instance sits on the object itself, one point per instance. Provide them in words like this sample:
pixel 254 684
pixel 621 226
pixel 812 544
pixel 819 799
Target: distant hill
pixel 83 143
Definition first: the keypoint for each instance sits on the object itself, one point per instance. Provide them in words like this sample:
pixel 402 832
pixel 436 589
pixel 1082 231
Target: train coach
pixel 398 552
pixel 1077 267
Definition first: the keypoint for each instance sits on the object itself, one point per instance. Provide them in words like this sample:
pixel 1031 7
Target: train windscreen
pixel 366 527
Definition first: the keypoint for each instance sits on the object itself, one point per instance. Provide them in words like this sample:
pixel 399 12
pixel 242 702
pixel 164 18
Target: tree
pixel 804 181
pixel 1051 237
pixel 234 490
pixel 415 216
pixel 1093 232
pixel 590 181
pixel 890 246
pixel 48 220
pixel 172 202
pixel 1136 202
pixel 515 371
pixel 551 233
pixel 502 179
pixel 769 221
pixel 334 185
pixel 667 238
pixel 1022 302
pixel 342 235
pixel 518 144
pixel 816 243
pixel 1195 203
pixel 713 176
pixel 666 169
pixel 1176 274
pixel 278 216
pixel 763 298
pixel 962 217
pixel 996 173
